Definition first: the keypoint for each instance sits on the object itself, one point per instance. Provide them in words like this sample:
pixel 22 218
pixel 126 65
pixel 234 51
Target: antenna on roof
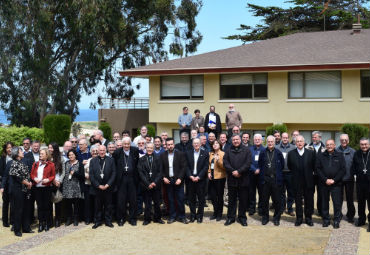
pixel 326 6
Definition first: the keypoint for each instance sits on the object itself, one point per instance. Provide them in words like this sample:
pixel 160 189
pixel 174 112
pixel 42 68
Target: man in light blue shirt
pixel 185 120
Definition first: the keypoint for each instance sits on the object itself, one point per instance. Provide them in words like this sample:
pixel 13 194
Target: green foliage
pixel 303 16
pixel 151 130
pixel 52 52
pixel 280 127
pixel 355 133
pixel 16 134
pixel 107 130
pixel 57 128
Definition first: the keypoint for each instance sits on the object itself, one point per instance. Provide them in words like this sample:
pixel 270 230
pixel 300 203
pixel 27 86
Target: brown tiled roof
pixel 314 50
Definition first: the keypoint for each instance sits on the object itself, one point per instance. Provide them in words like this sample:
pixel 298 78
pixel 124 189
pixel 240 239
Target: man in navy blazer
pixel 197 168
pixel 271 165
pixel 102 173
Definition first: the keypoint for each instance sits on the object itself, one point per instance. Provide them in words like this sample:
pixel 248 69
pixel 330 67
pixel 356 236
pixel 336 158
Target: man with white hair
pixel 143 133
pixel 254 175
pixel 99 136
pixel 233 119
pixel 348 179
pixel 126 159
pixel 271 165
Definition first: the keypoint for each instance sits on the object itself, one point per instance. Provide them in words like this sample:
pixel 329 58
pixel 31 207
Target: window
pixel 315 85
pixel 325 135
pixel 243 86
pixel 365 83
pixel 182 87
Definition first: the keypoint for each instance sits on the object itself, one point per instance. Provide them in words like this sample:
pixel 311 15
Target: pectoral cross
pixel 150 174
pixel 126 168
pixel 365 171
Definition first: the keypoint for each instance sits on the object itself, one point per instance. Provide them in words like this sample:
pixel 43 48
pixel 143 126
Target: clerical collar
pixel 365 152
pixel 271 150
pixel 101 158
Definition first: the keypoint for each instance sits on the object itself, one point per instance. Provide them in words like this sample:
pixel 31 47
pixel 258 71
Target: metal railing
pixel 125 103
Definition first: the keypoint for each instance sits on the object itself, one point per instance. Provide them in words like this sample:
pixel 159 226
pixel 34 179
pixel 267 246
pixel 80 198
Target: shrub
pixel 151 130
pixel 57 128
pixel 107 130
pixel 355 133
pixel 280 127
pixel 16 134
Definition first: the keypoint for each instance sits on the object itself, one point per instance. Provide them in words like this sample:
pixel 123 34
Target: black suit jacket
pixel 29 159
pixel 202 164
pixel 144 170
pixel 109 174
pixel 179 165
pixel 218 124
pixel 120 163
pixel 239 159
pixel 309 159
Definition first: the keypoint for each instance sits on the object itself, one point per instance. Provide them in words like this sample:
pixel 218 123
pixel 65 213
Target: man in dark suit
pixel 185 144
pixel 271 165
pixel 237 161
pixel 331 167
pixel 197 167
pixel 212 122
pixel 126 159
pixel 173 167
pixel 301 163
pixel 149 169
pixel 102 172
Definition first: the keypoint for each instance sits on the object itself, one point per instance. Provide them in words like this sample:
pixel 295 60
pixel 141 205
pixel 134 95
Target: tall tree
pixel 303 16
pixel 52 51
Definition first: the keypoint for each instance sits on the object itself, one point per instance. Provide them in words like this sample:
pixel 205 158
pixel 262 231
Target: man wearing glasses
pixel 26 146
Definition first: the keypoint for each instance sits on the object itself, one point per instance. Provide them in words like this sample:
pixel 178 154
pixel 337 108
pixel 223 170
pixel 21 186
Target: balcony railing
pixel 125 103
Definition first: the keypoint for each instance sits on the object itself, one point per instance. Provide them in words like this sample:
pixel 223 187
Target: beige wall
pixel 301 115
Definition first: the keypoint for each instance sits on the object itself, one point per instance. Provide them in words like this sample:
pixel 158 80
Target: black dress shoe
pixel 57 223
pixel 350 220
pixel 251 213
pixel 18 234
pixel 29 231
pixel 109 224
pixel 146 222
pixel 160 221
pixel 170 221
pixel 336 224
pixel 192 219
pixel 229 222
pixel 298 222
pixel 368 228
pixel 325 224
pixel 199 220
pixel 132 222
pixel 41 227
pixel 184 220
pixel 213 217
pixel 75 223
pixel 219 218
pixel 276 222
pixel 68 222
pixel 121 223
pixel 265 221
pixel 46 226
pixel 96 225
pixel 309 222
pixel 87 222
pixel 359 223
pixel 243 222
pixel 6 225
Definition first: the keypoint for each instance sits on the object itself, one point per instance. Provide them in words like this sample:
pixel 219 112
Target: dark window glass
pixel 365 83
pixel 243 86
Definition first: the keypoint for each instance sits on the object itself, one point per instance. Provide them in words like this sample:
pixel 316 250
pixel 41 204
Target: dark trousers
pixel 273 190
pixel 126 194
pixel 196 191
pixel 255 184
pixel 72 208
pixel 21 204
pixel 287 196
pixel 348 188
pixel 89 202
pixel 237 193
pixel 43 197
pixel 336 196
pixel 6 205
pixel 318 194
pixel 103 203
pixel 58 211
pixel 140 199
pixel 32 201
pixel 153 195
pixel 176 195
pixel 363 197
pixel 216 190
pixel 307 195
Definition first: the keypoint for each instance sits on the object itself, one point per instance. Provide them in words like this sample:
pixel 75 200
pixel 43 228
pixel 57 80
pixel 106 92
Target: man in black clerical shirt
pixel 102 171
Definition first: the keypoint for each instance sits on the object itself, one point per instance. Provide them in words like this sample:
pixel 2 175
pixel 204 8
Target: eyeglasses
pixel 25 143
pixel 73 141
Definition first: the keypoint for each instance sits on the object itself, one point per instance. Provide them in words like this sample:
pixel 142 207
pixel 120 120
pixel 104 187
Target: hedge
pixel 355 133
pixel 280 127
pixel 17 134
pixel 107 130
pixel 151 130
pixel 57 128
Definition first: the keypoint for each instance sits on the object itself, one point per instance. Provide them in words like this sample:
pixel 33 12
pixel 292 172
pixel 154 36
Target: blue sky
pixel 217 19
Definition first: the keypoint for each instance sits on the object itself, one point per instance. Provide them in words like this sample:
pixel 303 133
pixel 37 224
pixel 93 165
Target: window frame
pixel 253 84
pixel 304 86
pixel 189 85
pixel 361 96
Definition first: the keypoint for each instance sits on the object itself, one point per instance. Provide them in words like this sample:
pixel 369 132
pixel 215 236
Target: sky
pixel 216 19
